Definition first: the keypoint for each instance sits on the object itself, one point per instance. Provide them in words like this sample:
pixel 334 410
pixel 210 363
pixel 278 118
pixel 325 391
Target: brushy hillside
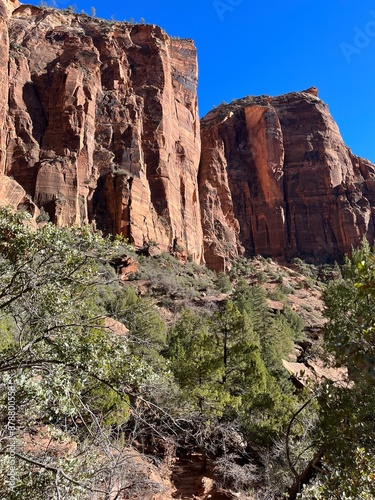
pixel 131 376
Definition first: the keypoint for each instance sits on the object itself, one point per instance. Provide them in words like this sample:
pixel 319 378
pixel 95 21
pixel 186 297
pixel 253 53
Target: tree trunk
pixel 305 476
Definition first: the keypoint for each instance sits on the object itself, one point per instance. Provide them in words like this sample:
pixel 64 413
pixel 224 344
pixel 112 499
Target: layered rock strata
pixel 276 179
pixel 102 126
pixel 99 125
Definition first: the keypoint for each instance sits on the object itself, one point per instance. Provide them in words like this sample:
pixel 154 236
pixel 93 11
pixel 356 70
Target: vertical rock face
pixel 276 179
pixel 11 193
pixel 6 9
pixel 99 124
pixel 103 126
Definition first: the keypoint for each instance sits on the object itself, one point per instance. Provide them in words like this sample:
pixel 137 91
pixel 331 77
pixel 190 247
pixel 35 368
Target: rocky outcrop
pixel 11 193
pixel 99 125
pixel 276 179
pixel 6 9
pixel 103 126
pixel 4 53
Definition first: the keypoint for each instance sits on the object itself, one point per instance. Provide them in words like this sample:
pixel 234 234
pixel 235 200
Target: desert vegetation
pixel 105 382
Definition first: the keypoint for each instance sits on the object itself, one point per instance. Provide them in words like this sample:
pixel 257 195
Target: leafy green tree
pixel 350 302
pixel 275 334
pixel 197 365
pixel 147 330
pixel 68 372
pixel 244 373
pixel 253 301
pixel 217 362
pixel 264 416
pixel 223 283
pixel 354 480
pixel 347 406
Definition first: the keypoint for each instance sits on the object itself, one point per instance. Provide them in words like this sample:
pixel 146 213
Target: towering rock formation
pixel 103 126
pixel 6 9
pixel 276 179
pixel 11 193
pixel 99 125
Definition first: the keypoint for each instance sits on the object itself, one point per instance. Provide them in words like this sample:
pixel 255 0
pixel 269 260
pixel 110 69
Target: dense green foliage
pixel 68 372
pixel 208 373
pixel 346 428
pixel 217 360
pixel 147 331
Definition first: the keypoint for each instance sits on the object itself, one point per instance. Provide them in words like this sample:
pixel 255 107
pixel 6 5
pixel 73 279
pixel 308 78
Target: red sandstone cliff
pixel 6 9
pixel 102 125
pixel 276 179
pixel 99 124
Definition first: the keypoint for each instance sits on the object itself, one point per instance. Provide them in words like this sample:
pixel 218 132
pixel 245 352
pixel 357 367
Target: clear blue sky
pixel 273 47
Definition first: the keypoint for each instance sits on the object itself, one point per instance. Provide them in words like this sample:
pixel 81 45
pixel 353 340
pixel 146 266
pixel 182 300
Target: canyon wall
pixel 276 179
pixel 6 9
pixel 102 126
pixel 99 125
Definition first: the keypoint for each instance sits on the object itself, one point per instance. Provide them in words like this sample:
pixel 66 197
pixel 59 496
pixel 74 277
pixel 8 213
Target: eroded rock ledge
pixel 276 179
